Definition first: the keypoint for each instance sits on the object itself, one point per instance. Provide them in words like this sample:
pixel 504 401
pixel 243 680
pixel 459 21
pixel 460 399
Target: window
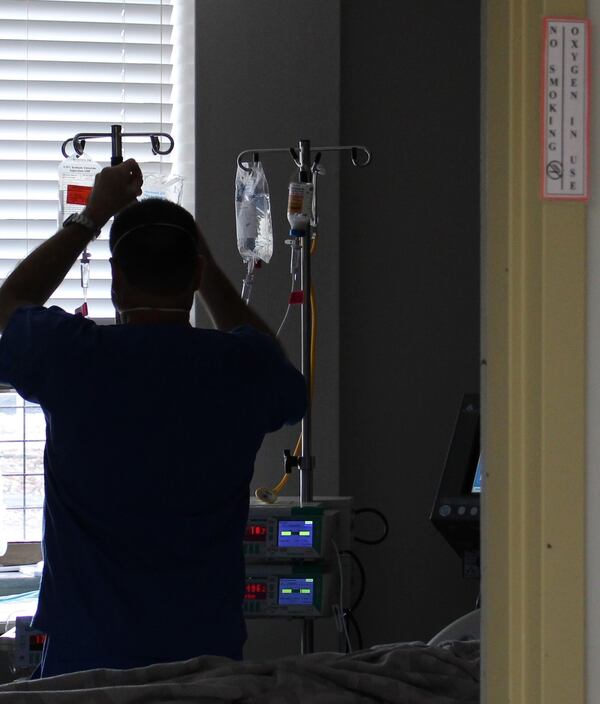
pixel 22 435
pixel 69 66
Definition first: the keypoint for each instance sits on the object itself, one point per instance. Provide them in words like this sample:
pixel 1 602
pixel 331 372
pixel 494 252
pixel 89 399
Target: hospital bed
pixel 418 673
pixel 444 670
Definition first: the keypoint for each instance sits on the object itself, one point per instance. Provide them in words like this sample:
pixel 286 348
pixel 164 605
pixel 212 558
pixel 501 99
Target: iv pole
pixel 306 458
pixel 116 135
pixel 308 170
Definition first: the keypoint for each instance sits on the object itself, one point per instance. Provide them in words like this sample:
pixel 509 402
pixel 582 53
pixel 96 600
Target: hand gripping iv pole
pixel 308 169
pixel 116 135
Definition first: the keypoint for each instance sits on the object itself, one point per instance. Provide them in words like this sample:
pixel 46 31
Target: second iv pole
pixel 308 171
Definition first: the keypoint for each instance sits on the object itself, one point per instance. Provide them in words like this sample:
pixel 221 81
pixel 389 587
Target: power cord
pixel 386 526
pixel 363 578
pixel 353 622
pixel 347 614
pixel 338 609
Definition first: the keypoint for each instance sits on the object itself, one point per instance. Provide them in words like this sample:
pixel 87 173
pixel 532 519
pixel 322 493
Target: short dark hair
pixel 155 243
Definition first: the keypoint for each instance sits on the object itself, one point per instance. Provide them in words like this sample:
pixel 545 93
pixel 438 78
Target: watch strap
pixel 85 221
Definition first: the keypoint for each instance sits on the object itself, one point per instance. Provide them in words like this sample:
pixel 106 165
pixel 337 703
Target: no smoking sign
pixel 565 109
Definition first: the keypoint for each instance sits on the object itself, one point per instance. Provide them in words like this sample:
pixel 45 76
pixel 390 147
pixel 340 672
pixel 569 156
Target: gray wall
pixel 396 277
pixel 409 329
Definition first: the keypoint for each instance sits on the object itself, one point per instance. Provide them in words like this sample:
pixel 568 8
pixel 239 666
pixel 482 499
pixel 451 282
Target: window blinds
pixel 69 66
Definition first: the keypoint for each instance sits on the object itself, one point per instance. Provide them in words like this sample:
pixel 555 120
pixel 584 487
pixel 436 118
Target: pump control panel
pixel 29 644
pixel 287 591
pixel 277 538
pixel 286 532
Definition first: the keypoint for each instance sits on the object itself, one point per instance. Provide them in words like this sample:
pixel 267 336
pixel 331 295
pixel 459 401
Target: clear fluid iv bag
pixel 76 176
pixel 168 187
pixel 254 227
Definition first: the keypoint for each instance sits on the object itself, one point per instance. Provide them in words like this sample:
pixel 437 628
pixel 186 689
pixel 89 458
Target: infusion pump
pixel 305 591
pixel 292 568
pixel 285 531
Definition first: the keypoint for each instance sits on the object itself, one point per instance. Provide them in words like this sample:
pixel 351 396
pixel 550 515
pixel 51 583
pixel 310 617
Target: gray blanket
pixel 402 673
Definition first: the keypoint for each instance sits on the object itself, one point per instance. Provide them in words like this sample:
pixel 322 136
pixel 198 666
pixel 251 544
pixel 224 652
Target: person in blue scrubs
pixel 152 429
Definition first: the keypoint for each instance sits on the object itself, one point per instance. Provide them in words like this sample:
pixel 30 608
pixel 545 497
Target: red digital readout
pixel 256 533
pixel 36 641
pixel 255 590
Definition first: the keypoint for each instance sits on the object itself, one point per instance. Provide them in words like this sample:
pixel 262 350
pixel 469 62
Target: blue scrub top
pixel 152 432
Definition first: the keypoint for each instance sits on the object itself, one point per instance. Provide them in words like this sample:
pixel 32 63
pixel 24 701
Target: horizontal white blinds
pixel 66 67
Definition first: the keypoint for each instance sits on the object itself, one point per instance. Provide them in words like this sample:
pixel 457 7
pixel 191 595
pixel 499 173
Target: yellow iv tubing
pixel 271 495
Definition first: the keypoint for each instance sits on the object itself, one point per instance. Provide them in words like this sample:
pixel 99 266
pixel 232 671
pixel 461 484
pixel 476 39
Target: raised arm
pixel 36 278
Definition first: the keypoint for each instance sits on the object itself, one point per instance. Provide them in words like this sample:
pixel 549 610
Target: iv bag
pixel 76 175
pixel 253 224
pixel 167 187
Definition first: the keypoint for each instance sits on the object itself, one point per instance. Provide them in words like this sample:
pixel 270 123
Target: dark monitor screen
pixel 455 511
pixel 461 472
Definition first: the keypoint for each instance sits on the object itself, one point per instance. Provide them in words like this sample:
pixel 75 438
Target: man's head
pixel 155 260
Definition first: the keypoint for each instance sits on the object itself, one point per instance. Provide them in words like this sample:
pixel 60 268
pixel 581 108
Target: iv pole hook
pixel 354 152
pixel 116 139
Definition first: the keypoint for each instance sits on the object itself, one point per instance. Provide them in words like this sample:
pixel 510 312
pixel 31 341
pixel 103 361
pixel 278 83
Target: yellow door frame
pixel 533 383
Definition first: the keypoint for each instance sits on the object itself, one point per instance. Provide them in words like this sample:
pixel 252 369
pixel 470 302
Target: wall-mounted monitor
pixel 456 509
pixel 476 486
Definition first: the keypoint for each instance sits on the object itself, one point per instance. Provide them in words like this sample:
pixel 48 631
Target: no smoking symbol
pixel 554 170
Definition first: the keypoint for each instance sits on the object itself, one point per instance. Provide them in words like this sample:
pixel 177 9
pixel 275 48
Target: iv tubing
pixel 313 336
pixel 248 282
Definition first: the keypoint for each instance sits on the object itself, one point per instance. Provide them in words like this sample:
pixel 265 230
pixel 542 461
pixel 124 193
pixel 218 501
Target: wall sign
pixel 565 109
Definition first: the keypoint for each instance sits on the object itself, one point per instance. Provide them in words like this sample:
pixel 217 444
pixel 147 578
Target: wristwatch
pixel 84 221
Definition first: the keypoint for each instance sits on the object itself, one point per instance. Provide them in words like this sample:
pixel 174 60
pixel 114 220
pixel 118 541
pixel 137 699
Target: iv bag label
pixel 295 198
pixel 78 195
pixel 565 109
